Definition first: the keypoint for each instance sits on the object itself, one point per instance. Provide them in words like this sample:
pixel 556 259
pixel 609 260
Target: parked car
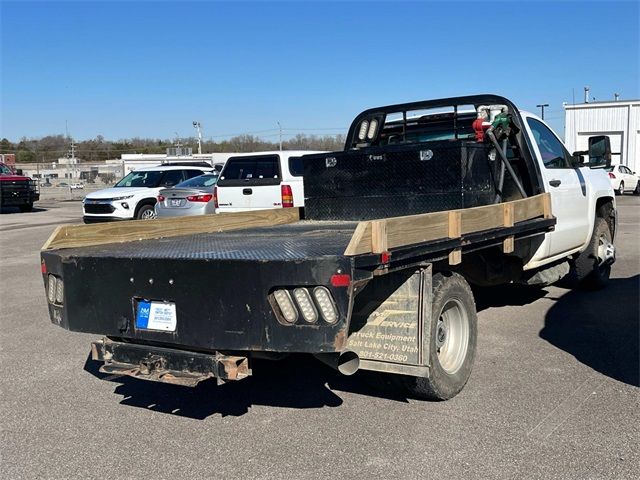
pixel 63 184
pixel 261 181
pixel 134 197
pixel 623 179
pixel 195 196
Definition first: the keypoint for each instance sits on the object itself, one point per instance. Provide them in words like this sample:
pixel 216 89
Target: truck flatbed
pixel 108 270
pixel 298 241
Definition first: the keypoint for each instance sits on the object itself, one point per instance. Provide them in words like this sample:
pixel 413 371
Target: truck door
pixel 250 182
pixel 567 185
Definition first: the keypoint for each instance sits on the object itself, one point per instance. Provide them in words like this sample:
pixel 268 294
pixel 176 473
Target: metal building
pixel 620 120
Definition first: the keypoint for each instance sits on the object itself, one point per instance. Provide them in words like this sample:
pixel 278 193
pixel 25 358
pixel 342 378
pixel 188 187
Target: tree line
pixel 51 147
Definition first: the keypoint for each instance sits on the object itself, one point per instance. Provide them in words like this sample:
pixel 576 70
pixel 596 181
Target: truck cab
pixel 578 191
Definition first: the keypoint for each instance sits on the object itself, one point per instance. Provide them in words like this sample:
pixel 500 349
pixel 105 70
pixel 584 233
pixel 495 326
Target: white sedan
pixel 623 179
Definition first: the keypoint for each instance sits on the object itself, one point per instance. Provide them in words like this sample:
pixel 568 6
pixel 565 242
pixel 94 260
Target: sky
pixel 149 69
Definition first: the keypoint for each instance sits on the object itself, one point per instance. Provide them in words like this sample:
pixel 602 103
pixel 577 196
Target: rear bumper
pixel 167 365
pixel 164 212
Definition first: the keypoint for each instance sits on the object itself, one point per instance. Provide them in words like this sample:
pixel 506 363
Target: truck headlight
pixel 364 127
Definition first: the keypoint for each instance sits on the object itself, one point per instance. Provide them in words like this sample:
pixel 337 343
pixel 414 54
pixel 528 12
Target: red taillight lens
pixel 287 196
pixel 215 197
pixel 161 198
pixel 200 198
pixel 43 268
pixel 611 175
pixel 340 280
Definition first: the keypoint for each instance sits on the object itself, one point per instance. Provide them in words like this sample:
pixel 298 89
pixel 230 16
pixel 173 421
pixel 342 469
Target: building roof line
pixel 603 103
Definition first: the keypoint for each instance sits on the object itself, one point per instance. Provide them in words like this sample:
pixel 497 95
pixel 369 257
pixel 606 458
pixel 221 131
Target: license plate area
pixel 176 202
pixel 155 315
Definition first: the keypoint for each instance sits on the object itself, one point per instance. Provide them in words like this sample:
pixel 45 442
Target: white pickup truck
pixel 260 181
pixel 426 199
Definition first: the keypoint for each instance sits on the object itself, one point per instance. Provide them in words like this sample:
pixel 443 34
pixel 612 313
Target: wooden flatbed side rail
pixel 69 236
pixel 377 236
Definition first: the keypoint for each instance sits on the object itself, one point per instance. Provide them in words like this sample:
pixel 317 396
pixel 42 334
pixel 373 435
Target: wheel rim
pixel 148 215
pixel 606 252
pixel 452 336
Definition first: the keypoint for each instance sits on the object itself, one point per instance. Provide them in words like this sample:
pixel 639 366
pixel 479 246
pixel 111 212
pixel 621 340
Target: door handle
pixel 555 183
pixel 247 191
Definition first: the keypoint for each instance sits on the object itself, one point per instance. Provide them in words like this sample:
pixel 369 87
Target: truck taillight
pixel 287 196
pixel 200 198
pixel 161 198
pixel 55 290
pixel 215 197
pixel 611 175
pixel 341 280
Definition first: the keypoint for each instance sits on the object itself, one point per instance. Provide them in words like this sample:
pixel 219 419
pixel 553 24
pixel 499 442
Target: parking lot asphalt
pixel 554 393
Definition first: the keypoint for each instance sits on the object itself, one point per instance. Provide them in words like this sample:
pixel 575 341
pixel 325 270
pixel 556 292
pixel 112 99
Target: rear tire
pixel 637 190
pixel 620 190
pixel 146 212
pixel 588 268
pixel 26 208
pixel 453 337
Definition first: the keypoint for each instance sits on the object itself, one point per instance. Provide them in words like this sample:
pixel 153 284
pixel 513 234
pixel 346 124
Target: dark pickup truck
pixel 17 190
pixel 374 273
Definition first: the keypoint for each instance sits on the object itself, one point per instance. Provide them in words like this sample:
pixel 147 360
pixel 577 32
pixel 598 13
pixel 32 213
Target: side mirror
pixel 599 151
pixel 18 171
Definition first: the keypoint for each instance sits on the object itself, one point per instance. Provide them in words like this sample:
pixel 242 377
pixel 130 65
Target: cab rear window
pixel 296 167
pixel 254 170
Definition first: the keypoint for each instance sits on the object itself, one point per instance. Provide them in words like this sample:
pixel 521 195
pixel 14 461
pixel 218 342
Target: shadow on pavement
pixel 8 210
pixel 298 381
pixel 600 329
pixel 506 295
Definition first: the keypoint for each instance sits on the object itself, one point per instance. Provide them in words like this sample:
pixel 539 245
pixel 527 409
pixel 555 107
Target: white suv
pixel 134 197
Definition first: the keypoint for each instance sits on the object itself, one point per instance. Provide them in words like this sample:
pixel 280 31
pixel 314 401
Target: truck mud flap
pixel 167 365
pixel 390 324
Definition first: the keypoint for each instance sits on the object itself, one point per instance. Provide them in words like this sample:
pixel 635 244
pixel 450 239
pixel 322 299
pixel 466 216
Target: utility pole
pixel 72 159
pixel 196 125
pixel 280 130
pixel 541 107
